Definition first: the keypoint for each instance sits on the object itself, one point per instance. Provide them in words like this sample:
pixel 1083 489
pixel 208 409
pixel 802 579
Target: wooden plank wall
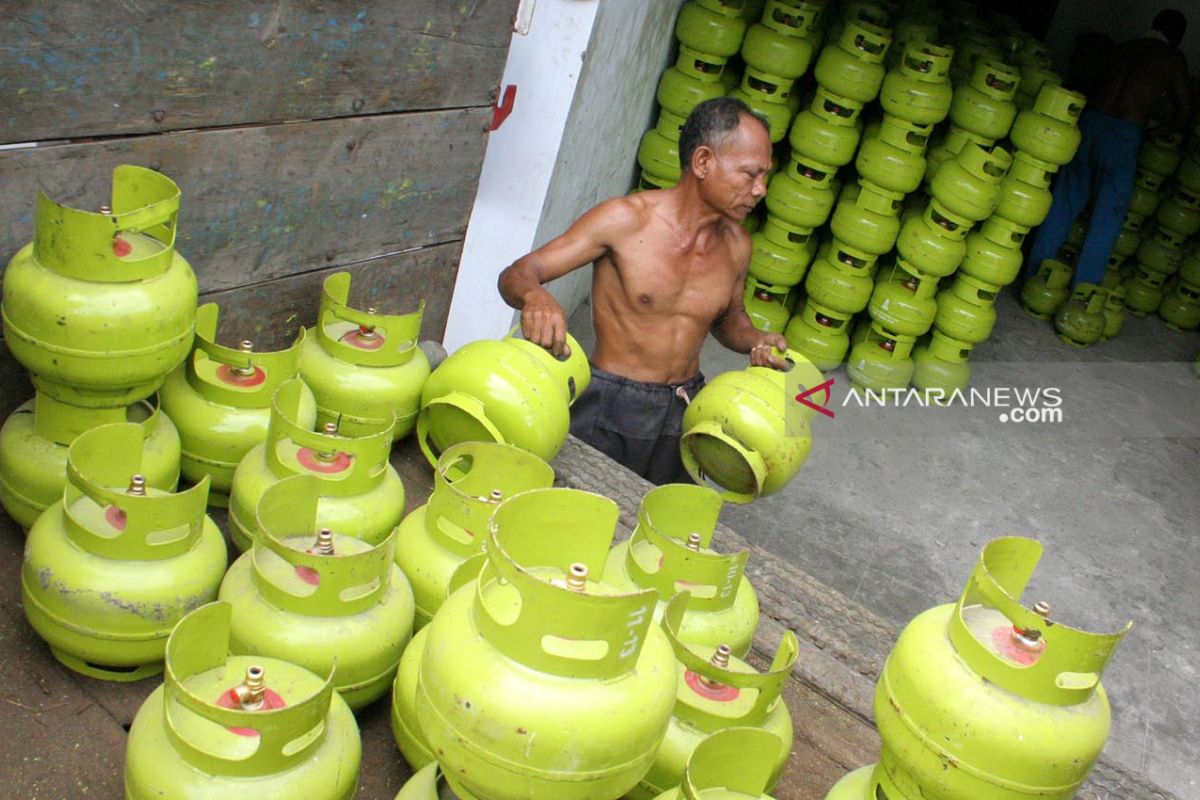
pixel 306 136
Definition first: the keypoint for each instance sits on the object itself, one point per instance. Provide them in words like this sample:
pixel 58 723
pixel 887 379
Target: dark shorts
pixel 636 424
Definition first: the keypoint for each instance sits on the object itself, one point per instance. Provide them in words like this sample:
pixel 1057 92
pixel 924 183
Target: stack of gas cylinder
pixel 1036 681
pixel 550 662
pixel 1152 266
pixel 920 236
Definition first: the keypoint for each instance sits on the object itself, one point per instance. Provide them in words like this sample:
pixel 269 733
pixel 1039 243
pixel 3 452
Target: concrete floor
pixel 894 505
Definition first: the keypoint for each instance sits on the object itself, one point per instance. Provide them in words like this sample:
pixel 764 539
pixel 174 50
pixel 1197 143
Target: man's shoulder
pixel 625 212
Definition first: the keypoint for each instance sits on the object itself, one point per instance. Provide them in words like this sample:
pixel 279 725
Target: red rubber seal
pixel 722 693
pixel 121 248
pixel 357 339
pixel 308 459
pixel 1006 646
pixel 226 374
pixel 115 516
pixel 271 701
pixel 308 575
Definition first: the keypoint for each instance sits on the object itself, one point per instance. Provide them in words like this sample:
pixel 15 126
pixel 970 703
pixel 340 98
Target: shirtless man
pixel 670 266
pixel 1138 73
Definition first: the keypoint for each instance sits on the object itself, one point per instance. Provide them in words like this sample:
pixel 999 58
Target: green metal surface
pixel 1042 294
pixel 732 764
pixel 220 399
pixel 1080 320
pixel 291 601
pixel 108 572
pixel 880 361
pixel 364 368
pixel 984 106
pixel 966 310
pixel 918 89
pixel 781 252
pixel 842 287
pixel 852 66
pixel 967 708
pixel 867 217
pixel 34 442
pixel 904 301
pixel 934 241
pixel 969 183
pixel 1050 130
pixel 778 42
pixel 893 157
pixel 470 481
pixel 735 432
pixel 540 681
pixel 100 306
pixel 828 131
pixel 803 194
pixel 819 334
pixel 361 492
pixel 509 391
pixel 184 744
pixel 724 607
pixel 994 252
pixel 712 698
pixel 711 28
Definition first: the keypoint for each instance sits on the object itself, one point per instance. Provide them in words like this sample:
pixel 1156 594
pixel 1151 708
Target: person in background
pixel 1135 75
pixel 669 267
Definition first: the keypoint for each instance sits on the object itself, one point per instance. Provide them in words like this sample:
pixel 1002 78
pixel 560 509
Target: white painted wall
pixel 586 74
pixel 1120 19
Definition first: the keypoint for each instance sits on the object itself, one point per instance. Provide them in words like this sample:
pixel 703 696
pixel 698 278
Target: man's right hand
pixel 544 322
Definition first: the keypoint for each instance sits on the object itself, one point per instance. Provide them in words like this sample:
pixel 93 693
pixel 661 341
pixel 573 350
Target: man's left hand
pixel 763 352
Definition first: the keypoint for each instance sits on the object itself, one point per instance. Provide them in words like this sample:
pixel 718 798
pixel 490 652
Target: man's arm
pixel 735 330
pixel 543 320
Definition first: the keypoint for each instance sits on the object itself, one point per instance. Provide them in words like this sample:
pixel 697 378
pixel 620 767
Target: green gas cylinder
pixel 1050 130
pixel 1025 191
pixel 966 310
pixel 820 334
pixel 1129 239
pixel 405 728
pixel 1143 291
pixel 364 368
pixel 1160 154
pixel 507 390
pixel 1187 175
pixel 767 305
pixel 658 158
pixel 471 479
pixel 693 79
pixel 918 90
pixel 1180 307
pixel 671 548
pixel 1161 250
pixel 844 286
pixel 778 44
pixel 969 183
pixel 1042 294
pixel 224 726
pixel 974 45
pixel 99 307
pixel 739 433
pixel 984 106
pixel 111 567
pixel 904 302
pixel 711 26
pixel 803 194
pixel 361 492
pixel 1114 311
pixel 731 764
pixel 987 657
pixel 950 145
pixel 1179 213
pixel 894 159
pixel 768 99
pixel 220 398
pixel 828 131
pixel 852 66
pixel 994 252
pixel 781 252
pixel 1189 267
pixel 538 680
pixel 34 442
pixel 867 217
pixel 1034 76
pixel 934 241
pixel 941 365
pixel 1080 320
pixel 717 691
pixel 1145 199
pixel 313 598
pixel 880 361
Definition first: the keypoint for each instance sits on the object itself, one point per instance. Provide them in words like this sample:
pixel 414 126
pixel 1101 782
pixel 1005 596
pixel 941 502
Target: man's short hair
pixel 1172 24
pixel 712 123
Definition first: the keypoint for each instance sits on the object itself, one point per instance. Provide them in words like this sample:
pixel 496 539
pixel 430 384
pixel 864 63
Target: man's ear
pixel 703 161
